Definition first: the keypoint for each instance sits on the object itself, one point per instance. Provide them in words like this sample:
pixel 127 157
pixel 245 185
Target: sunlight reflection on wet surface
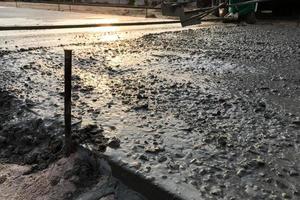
pixel 108 37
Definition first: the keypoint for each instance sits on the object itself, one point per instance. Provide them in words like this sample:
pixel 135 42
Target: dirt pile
pixel 31 155
pixel 63 179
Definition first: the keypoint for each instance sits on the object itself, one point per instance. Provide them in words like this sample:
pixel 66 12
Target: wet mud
pixel 32 162
pixel 26 138
pixel 210 113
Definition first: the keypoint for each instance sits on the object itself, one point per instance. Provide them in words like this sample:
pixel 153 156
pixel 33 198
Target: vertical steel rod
pixel 68 87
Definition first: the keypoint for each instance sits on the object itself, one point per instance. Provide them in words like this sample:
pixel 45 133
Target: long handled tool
pixel 196 19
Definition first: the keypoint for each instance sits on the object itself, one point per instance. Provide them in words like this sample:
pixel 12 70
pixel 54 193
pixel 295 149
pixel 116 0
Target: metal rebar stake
pixel 68 87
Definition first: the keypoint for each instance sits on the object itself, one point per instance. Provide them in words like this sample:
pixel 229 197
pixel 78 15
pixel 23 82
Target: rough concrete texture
pixel 210 113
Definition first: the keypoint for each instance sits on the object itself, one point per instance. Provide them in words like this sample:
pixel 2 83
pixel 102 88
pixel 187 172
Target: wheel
pixel 251 18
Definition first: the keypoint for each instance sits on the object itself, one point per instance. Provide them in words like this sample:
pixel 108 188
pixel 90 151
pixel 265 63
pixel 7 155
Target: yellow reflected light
pixel 110 36
pixel 105 28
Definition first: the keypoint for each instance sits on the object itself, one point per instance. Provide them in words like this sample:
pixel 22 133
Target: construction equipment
pixel 237 9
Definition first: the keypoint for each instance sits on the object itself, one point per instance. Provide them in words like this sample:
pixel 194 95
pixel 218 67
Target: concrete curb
pixel 139 183
pixel 11 28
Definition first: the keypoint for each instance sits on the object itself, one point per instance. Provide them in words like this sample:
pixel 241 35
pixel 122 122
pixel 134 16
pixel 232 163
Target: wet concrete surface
pixel 209 113
pixel 32 161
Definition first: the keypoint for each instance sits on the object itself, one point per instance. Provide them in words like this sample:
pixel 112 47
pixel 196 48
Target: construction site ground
pixel 208 112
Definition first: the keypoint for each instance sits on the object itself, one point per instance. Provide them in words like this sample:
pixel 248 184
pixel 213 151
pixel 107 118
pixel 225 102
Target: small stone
pixel 68 174
pixel 293 173
pixel 296 192
pixel 202 171
pixel 135 165
pixel 143 157
pixel 141 107
pixel 273 196
pixel 150 178
pixel 179 155
pixel 162 159
pixel 268 180
pixel 27 139
pixel 258 162
pixel 261 174
pixel 296 122
pixel 164 177
pixel 173 166
pixel 249 190
pixel 194 183
pixel 89 127
pixel 114 143
pixel 2 140
pixel 203 188
pixel 30 158
pixel 255 187
pixel 285 196
pixel 207 178
pixel 54 180
pixel 261 106
pixel 147 169
pixel 222 141
pixel 189 155
pixel 226 175
pixel 3 178
pixel 68 195
pixel 215 190
pixel 75 179
pixel 281 185
pixel 182 167
pixel 153 149
pixel 241 172
pixel 197 146
pixel 278 173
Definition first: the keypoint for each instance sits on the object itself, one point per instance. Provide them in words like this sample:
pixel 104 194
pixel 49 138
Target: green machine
pixel 244 11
